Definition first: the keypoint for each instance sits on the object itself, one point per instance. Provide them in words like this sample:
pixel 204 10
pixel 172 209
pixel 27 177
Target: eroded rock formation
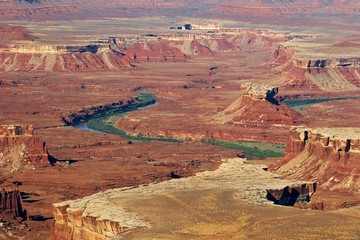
pixel 290 195
pixel 125 52
pixel 258 105
pixel 327 74
pixel 20 150
pixel 328 156
pixel 104 215
pixel 11 204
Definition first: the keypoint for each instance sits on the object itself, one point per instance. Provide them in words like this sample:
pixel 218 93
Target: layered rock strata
pixel 327 74
pixel 105 215
pixel 328 156
pixel 20 149
pixel 258 105
pixel 120 53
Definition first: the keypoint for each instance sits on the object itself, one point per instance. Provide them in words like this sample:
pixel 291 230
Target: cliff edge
pixel 330 156
pixel 20 149
pixel 108 214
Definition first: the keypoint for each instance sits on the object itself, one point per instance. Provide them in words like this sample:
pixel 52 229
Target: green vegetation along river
pixel 105 124
pixel 300 105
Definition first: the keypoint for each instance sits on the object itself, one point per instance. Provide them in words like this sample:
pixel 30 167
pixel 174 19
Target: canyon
pixel 241 125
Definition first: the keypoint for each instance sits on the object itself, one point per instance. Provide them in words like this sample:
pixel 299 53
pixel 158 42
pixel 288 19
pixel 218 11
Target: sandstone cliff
pixel 125 52
pixel 328 156
pixel 106 215
pixel 327 74
pixel 258 106
pixel 20 150
pixel 114 56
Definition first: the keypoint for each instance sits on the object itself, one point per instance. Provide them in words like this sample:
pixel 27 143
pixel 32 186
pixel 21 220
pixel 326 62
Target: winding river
pixel 83 125
pixel 104 124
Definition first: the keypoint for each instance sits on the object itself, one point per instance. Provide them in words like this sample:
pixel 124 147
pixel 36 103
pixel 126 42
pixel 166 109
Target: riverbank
pixel 104 121
pixel 301 105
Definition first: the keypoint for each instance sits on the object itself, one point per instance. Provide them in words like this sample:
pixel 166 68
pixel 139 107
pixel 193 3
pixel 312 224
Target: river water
pixel 84 125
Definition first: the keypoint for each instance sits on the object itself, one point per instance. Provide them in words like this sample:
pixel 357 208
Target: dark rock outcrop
pixel 11 204
pixel 290 195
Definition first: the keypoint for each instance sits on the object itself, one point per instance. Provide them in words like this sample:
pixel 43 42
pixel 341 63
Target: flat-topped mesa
pixel 11 204
pixel 20 150
pixel 330 156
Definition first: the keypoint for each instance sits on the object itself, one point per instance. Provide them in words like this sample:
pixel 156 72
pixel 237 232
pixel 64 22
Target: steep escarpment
pixel 120 53
pixel 327 74
pixel 240 181
pixel 258 106
pixel 20 150
pixel 328 156
pixel 92 58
